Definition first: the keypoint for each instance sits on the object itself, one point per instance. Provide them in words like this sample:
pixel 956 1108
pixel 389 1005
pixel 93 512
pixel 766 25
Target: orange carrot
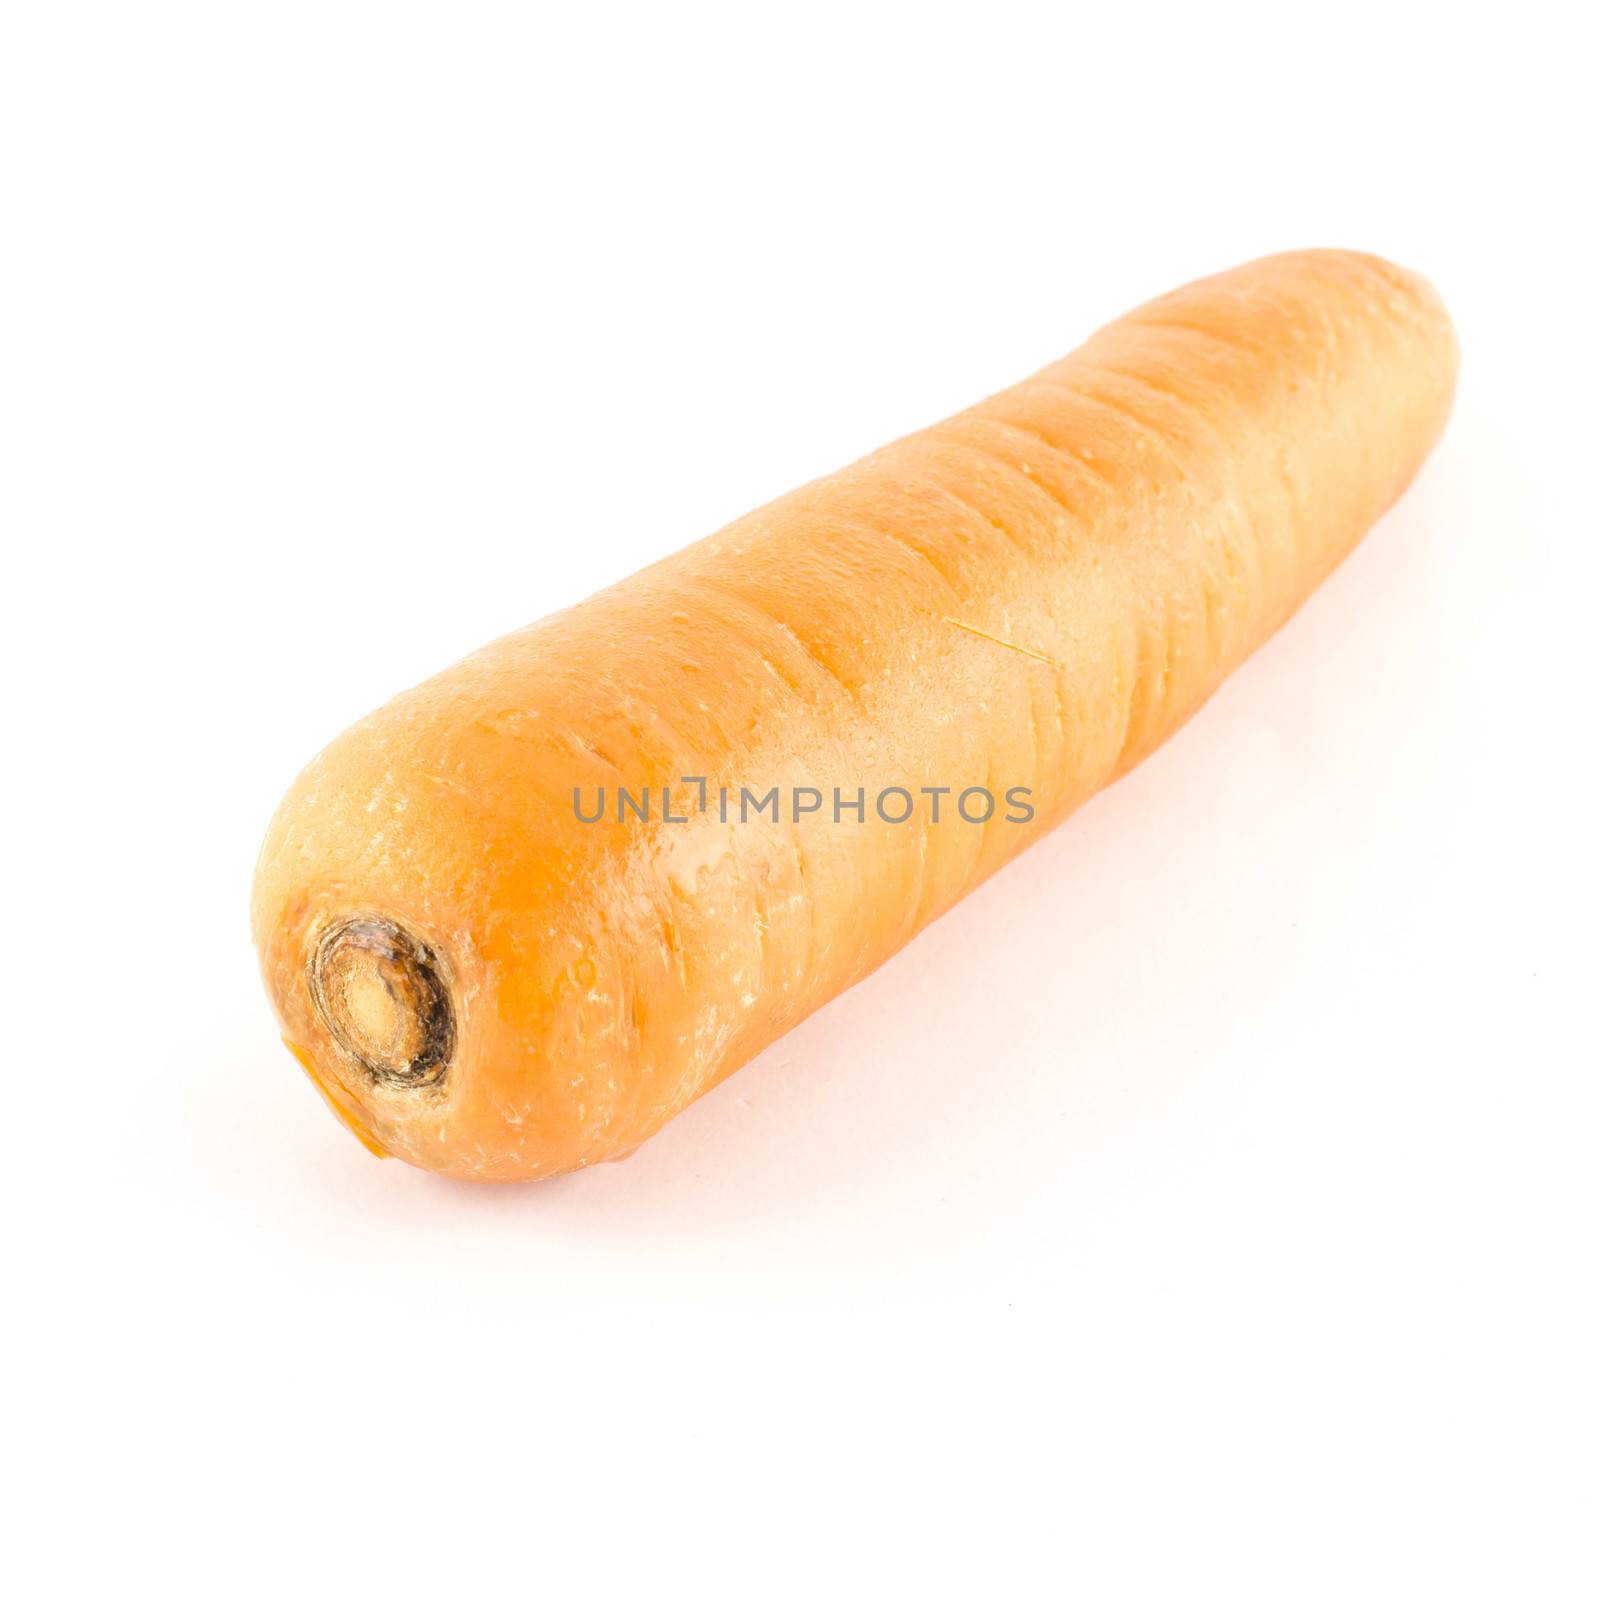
pixel 919 664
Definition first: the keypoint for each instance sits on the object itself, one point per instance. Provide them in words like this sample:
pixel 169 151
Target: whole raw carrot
pixel 516 919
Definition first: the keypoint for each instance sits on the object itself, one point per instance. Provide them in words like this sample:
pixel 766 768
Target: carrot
pixel 803 738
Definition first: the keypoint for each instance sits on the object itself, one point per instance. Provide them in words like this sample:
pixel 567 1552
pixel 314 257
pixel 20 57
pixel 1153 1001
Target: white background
pixel 1208 1206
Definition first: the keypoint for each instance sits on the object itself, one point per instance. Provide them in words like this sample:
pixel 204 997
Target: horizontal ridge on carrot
pixel 522 915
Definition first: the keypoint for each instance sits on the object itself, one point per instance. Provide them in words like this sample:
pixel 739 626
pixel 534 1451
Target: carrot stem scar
pixel 379 991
